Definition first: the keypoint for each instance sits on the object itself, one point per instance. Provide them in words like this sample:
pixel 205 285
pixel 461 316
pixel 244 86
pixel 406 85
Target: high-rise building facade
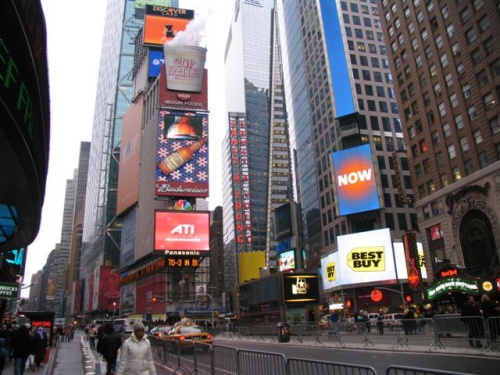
pixel 257 169
pixel 445 58
pixel 101 234
pixel 340 95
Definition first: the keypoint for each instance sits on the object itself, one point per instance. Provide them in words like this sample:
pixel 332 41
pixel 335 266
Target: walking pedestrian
pixel 92 335
pixel 491 316
pixel 22 347
pixel 40 341
pixel 471 316
pixel 108 346
pixel 136 356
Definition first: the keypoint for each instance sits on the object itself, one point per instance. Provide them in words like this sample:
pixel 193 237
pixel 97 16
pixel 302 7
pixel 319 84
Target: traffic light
pixel 408 298
pixel 154 299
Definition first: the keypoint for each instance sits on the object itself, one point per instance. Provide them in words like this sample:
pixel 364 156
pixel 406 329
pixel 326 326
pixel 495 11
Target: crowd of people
pixel 23 345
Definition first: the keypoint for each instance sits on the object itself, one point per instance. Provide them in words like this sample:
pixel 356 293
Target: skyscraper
pixel 257 169
pixel 101 234
pixel 339 95
pixel 445 57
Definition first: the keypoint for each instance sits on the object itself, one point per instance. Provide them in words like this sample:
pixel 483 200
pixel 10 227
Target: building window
pixel 478 4
pixel 484 24
pixel 418 171
pixel 439 41
pixel 451 152
pixel 444 60
pixel 453 100
pixel 442 109
pixel 464 144
pixel 430 117
pixel 435 138
pixel 497 148
pixel 411 28
pixel 478 137
pixel 444 180
pixel 427 99
pixel 489 45
pixel 489 101
pixel 469 167
pixel 459 122
pixel 423 146
pixel 465 15
pixel 403 225
pixel 430 187
pixel 389 221
pixel 483 159
pixel 495 125
pixel 472 113
pixel 460 69
pixel 450 30
pixel 418 61
pixel 476 56
pixel 495 68
pixel 428 52
pixel 424 35
pixel 433 70
pixel 447 130
pixel 380 91
pixel 445 12
pixel 449 79
pixel 455 49
pixel 467 91
pixel 471 35
pixel 455 174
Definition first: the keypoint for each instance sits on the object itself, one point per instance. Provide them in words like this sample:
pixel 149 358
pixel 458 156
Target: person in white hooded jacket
pixel 136 357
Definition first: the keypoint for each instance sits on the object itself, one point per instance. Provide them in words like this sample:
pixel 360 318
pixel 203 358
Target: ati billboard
pixel 355 180
pixel 182 233
pixel 182 154
pixel 162 24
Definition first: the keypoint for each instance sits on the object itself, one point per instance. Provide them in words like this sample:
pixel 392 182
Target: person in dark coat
pixel 491 310
pixel 3 354
pixel 22 347
pixel 108 346
pixel 40 342
pixel 471 316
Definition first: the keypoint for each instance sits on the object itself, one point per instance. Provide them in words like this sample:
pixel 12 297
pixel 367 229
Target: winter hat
pixel 138 326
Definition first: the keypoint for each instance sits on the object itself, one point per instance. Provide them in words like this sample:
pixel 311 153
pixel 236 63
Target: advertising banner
pixel 156 61
pixel 249 265
pixel 161 24
pixel 130 153
pixel 182 233
pixel 355 181
pixel 300 288
pixel 182 154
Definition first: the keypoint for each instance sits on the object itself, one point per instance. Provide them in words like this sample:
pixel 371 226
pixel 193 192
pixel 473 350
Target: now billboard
pixel 355 180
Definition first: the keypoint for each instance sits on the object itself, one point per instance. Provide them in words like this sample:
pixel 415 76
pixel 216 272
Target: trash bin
pixel 283 332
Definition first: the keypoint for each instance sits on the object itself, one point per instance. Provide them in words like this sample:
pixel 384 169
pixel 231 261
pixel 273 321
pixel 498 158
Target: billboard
pixel 367 258
pixel 156 60
pixel 283 222
pixel 128 237
pixel 183 100
pixel 130 154
pixel 161 24
pixel 355 180
pixel 300 288
pixel 286 260
pixel 249 265
pixel 182 231
pixel 182 154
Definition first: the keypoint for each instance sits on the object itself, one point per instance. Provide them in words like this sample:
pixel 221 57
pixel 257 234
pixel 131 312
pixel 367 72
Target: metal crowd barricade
pixel 406 370
pixel 252 362
pixel 297 366
pixel 455 328
pixel 492 328
pixel 224 359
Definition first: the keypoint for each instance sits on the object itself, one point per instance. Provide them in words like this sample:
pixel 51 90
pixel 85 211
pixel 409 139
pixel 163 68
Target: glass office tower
pixel 340 95
pixel 257 170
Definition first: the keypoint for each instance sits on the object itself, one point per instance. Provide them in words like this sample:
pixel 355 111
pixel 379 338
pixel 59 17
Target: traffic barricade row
pixel 220 359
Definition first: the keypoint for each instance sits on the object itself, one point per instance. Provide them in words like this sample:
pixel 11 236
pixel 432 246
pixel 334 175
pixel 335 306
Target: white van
pixel 125 325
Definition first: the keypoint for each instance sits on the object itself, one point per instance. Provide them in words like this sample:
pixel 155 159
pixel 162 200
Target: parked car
pixel 186 334
pixel 160 331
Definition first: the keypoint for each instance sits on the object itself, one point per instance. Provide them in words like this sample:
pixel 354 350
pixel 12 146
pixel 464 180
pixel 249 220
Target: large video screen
pixel 182 231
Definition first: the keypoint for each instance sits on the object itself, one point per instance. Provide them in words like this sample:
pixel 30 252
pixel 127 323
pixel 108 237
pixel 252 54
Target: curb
pixel 88 359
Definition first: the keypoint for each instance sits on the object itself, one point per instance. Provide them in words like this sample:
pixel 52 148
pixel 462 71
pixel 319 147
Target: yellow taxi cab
pixel 186 334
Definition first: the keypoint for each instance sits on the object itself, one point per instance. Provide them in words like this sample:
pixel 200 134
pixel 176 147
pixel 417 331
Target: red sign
pixel 449 272
pixel 180 231
pixel 376 295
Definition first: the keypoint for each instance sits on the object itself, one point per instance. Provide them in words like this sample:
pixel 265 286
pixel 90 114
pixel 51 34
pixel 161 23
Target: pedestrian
pixel 92 335
pixel 108 346
pixel 22 347
pixel 135 354
pixel 491 316
pixel 3 354
pixel 334 318
pixel 471 316
pixel 380 325
pixel 9 335
pixel 40 342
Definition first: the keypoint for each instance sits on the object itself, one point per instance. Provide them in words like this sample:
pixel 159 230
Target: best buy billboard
pixel 367 258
